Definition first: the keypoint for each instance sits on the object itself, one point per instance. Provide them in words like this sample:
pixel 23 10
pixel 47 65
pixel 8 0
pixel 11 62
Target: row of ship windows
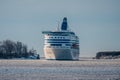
pixel 57 37
pixel 59 44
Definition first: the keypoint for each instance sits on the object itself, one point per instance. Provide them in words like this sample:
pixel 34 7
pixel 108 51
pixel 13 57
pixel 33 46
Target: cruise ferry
pixel 61 44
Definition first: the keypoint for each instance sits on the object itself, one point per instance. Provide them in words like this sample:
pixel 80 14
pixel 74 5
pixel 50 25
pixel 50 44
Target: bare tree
pixel 9 48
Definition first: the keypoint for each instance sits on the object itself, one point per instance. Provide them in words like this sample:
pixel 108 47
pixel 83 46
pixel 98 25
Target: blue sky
pixel 96 22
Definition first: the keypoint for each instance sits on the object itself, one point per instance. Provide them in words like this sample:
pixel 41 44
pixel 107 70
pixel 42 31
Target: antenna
pixel 58 27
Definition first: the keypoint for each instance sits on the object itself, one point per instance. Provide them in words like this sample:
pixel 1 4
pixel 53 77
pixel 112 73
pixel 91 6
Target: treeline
pixel 108 55
pixel 10 49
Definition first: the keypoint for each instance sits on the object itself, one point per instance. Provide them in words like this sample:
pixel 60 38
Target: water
pixel 60 70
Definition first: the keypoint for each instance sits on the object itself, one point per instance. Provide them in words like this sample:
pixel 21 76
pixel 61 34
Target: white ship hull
pixel 62 44
pixel 61 54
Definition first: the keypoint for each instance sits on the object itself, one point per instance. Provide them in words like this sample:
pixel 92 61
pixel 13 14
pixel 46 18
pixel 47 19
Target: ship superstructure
pixel 62 44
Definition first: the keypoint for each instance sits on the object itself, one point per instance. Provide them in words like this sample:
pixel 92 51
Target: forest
pixel 10 49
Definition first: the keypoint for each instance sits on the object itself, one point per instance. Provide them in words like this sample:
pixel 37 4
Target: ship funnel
pixel 64 24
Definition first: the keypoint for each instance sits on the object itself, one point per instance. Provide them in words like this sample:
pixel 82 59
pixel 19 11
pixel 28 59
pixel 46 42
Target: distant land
pixel 108 55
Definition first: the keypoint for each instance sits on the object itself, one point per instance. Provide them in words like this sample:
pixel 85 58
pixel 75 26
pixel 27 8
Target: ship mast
pixel 58 27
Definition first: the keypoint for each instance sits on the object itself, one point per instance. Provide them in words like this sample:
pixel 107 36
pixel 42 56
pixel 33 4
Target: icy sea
pixel 60 70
